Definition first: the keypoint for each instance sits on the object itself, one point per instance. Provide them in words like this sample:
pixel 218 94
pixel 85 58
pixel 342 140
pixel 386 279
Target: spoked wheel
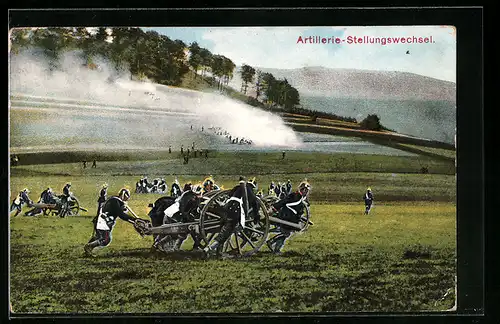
pixel 212 216
pixel 71 208
pixel 246 241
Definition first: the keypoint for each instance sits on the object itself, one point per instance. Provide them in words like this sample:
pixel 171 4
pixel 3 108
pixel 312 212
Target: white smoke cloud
pixel 116 109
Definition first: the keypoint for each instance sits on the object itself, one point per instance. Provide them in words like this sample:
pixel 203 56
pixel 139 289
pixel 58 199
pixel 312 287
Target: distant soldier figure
pixel 192 146
pixel 191 127
pixel 182 149
pixel 176 189
pixel 47 196
pixel 94 164
pixel 202 128
pixel 368 198
pixel 169 149
pixel 84 164
pixel 206 154
pixel 283 155
pixel 114 207
pixel 21 199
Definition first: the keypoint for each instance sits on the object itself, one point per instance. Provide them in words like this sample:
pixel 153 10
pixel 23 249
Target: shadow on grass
pixel 149 253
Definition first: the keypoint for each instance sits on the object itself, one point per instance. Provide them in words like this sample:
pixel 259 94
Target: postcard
pixel 217 170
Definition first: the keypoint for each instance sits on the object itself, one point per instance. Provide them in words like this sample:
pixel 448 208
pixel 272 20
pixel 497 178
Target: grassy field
pixel 400 258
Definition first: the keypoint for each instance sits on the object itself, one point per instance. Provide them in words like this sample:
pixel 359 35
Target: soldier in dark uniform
pixel 289 209
pixel 112 208
pixel 179 212
pixel 176 189
pixel 235 213
pixel 289 187
pixel 368 198
pixel 21 199
pixel 47 196
pixel 102 198
pixel 65 196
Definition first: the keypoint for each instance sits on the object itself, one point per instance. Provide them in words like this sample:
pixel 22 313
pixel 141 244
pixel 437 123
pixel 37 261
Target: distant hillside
pixel 361 84
pixel 405 102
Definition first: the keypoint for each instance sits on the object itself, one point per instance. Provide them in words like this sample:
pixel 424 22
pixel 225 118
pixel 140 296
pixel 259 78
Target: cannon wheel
pixel 244 243
pixel 304 220
pixel 73 210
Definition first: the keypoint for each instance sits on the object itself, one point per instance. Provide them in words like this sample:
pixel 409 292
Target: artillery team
pixel 240 212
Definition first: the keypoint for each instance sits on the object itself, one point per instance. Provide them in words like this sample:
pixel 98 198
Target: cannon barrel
pixel 284 222
pixel 41 205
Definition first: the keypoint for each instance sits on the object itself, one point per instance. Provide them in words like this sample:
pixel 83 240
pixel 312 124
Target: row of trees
pixel 145 54
pixel 276 91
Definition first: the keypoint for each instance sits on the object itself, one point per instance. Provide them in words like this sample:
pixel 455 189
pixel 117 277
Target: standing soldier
pixel 84 164
pixel 283 155
pixel 289 209
pixel 22 198
pixel 368 198
pixel 169 149
pixel 114 207
pixel 94 164
pixel 182 149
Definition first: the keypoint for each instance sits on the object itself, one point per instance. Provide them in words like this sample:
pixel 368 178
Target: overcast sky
pixel 277 47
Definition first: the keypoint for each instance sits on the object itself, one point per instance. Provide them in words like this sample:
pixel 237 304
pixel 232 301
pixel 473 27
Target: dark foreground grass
pixel 400 258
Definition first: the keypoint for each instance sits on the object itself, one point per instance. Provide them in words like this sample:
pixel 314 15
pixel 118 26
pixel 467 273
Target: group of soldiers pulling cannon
pixel 220 222
pixel 65 204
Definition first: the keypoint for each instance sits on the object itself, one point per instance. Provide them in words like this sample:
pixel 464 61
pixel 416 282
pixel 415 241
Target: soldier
pixel 102 198
pixel 288 187
pixel 114 207
pixel 289 209
pixel 235 212
pixel 21 199
pixel 179 212
pixel 64 198
pixel 47 196
pixel 368 198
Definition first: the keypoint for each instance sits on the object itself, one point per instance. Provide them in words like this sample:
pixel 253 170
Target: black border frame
pixel 470 136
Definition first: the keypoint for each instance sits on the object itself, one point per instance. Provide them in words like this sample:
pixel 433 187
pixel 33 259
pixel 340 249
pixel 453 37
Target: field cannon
pixel 209 217
pixel 70 207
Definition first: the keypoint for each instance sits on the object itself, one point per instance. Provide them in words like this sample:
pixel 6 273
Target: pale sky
pixel 277 47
